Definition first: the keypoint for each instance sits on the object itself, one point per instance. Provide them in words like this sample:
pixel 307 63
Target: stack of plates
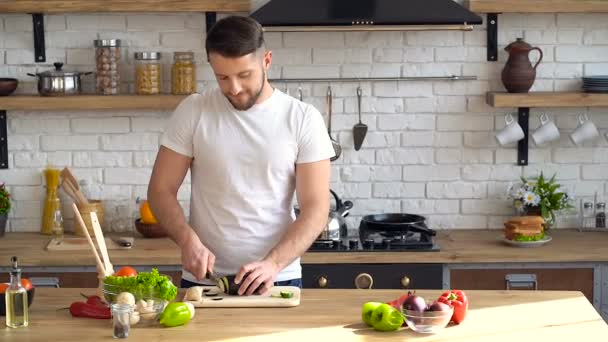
pixel 595 84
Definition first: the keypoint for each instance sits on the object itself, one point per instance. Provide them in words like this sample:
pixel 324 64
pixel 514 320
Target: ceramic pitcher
pixel 518 75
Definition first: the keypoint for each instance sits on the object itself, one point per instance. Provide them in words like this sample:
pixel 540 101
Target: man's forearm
pixel 300 235
pixel 170 215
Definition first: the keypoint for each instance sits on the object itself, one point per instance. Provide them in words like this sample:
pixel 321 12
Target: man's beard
pixel 252 100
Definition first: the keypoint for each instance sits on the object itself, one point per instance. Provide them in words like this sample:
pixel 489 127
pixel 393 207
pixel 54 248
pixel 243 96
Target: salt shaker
pixel 600 215
pixel 588 215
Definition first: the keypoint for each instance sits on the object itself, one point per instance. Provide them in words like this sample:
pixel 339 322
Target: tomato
pixel 126 271
pixel 3 287
pixel 26 283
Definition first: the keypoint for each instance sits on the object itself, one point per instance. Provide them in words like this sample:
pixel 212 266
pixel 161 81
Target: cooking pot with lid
pixel 58 82
pixel 336 227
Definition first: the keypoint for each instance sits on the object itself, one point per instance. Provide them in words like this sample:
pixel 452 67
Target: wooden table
pixel 334 315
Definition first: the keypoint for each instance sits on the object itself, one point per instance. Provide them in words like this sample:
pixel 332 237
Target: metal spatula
pixel 334 143
pixel 360 129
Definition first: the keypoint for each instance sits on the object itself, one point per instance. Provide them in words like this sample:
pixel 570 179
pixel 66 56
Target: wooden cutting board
pixel 223 300
pixel 77 244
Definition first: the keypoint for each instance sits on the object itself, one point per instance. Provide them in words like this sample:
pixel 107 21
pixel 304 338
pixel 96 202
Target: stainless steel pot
pixel 336 227
pixel 58 82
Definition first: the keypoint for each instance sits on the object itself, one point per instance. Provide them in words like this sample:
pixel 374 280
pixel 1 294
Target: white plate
pixel 525 244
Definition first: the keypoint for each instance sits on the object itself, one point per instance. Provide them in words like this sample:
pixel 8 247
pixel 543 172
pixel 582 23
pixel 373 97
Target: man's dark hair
pixel 234 36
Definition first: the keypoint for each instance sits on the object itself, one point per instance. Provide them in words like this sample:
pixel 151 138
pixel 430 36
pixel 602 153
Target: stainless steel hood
pixel 364 15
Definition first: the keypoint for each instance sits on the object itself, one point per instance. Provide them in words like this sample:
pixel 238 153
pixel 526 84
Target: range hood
pixel 364 15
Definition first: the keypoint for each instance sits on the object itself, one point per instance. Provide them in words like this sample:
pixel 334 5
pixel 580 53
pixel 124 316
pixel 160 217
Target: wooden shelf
pixel 537 6
pixel 90 102
pixel 59 6
pixel 547 99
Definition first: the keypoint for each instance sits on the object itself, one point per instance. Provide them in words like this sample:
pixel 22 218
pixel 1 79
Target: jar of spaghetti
pixel 148 72
pixel 183 74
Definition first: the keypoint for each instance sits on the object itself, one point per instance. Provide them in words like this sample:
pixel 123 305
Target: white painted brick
pixel 356 71
pixel 595 68
pixel 450 54
pixel 457 222
pixel 404 156
pixel 405 89
pixel 102 159
pixel 430 207
pixel 59 39
pixel 81 56
pixel 539 156
pixel 385 70
pixel 100 125
pixel 40 125
pixel 17 40
pixel 193 40
pixel 127 176
pixel 150 22
pixel 567 85
pixel 399 190
pixel 371 173
pixel 581 53
pixel 561 172
pixel 54 22
pixel 374 39
pixel 464 123
pixel 69 142
pixel 435 38
pixel 476 38
pixel 146 159
pixel 572 155
pixel 431 69
pixel 374 206
pixel 148 124
pixel 379 139
pixel 388 55
pixel 540 36
pixel 483 71
pixel 498 222
pixel 27 193
pixel 507 36
pixel 417 139
pixel 448 139
pixel 479 139
pixel 410 122
pixel 487 207
pixel 542 21
pixel 292 56
pixel 108 192
pixel 28 225
pixel 570 36
pixel 418 54
pixel 448 156
pixel 142 40
pixel 26 209
pixel 568 70
pixel 98 22
pixel 476 172
pixel 586 20
pixel 314 39
pixel 23 142
pixel 419 105
pixel 132 142
pixel 358 56
pixel 19 56
pixel 350 191
pixel 18 23
pixel 595 172
pixel 311 71
pixel 505 172
pixel 21 176
pixel 461 88
pixel 273 40
pixel 421 173
pixel 476 156
pixel 456 190
pixel 450 104
pixel 27 159
pixel 584 188
pixel 194 21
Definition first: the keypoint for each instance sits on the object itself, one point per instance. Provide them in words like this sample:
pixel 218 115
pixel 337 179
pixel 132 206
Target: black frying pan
pixel 397 222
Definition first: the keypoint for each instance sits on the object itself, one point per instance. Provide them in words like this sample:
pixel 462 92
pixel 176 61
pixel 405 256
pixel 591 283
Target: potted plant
pixel 540 197
pixel 5 207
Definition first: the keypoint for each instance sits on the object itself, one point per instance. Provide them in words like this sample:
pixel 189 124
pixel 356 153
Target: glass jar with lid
pixel 107 59
pixel 148 73
pixel 183 74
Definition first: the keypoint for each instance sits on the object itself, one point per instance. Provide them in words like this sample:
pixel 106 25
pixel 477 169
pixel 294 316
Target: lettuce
pixel 536 237
pixel 145 284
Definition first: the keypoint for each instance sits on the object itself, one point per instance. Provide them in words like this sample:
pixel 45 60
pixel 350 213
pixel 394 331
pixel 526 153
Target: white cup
pixel 511 133
pixel 585 131
pixel 546 132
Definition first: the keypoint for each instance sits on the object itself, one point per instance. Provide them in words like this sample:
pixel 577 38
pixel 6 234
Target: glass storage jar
pixel 148 72
pixel 107 59
pixel 183 74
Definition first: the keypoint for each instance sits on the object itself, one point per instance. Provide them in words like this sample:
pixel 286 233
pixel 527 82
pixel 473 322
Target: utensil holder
pixel 85 211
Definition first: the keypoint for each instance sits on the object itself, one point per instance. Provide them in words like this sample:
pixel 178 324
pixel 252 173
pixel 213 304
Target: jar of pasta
pixel 148 73
pixel 183 74
pixel 107 59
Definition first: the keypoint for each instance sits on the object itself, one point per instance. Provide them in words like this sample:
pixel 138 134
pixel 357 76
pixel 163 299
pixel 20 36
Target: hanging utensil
pixel 300 95
pixel 334 143
pixel 360 129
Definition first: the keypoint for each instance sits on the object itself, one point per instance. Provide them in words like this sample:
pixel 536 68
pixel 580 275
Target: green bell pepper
pixel 175 314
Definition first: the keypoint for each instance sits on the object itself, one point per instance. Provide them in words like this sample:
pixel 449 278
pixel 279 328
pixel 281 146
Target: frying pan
pixel 397 222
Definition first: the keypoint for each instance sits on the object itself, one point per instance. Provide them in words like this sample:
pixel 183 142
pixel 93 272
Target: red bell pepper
pixel 459 301
pixel 82 309
pixel 398 303
pixel 94 300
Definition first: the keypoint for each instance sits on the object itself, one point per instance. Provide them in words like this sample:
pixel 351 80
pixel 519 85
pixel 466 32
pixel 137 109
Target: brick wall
pixel 429 150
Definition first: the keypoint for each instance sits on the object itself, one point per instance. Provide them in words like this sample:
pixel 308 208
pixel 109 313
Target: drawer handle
pixel 364 281
pixel 322 282
pixel 525 281
pixel 405 281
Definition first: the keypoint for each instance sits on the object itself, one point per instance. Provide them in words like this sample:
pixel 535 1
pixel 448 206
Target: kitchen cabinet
pixel 565 279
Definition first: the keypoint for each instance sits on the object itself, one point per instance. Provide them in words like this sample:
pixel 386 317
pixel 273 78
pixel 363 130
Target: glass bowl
pixel 427 322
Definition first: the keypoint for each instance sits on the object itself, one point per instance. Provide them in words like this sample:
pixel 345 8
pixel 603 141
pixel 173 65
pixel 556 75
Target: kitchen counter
pixel 457 246
pixel 326 315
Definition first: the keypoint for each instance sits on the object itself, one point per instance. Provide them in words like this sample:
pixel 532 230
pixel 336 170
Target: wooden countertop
pixel 457 246
pixel 334 315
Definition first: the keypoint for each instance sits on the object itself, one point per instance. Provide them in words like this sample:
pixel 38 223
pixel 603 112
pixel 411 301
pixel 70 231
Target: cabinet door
pixel 567 279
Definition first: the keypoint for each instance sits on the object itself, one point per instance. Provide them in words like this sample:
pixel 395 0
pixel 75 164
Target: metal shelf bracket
pixel 523 116
pixel 210 20
pixel 39 45
pixel 3 141
pixel 492 31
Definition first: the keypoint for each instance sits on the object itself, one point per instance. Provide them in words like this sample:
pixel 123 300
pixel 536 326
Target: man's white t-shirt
pixel 243 172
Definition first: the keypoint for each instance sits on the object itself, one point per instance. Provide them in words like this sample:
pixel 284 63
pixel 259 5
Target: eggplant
pixel 227 285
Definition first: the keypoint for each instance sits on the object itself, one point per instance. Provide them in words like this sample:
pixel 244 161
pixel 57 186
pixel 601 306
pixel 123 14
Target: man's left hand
pixel 258 275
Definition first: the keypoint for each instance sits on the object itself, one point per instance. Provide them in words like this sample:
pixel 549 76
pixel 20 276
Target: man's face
pixel 241 79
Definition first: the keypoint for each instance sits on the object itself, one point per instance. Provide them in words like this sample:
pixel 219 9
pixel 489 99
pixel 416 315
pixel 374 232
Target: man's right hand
pixel 196 258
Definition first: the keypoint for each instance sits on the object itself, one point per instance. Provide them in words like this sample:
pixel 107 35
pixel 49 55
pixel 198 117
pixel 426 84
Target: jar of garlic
pixel 148 72
pixel 107 58
pixel 183 74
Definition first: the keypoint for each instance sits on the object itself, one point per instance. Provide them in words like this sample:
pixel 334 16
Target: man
pixel 248 147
